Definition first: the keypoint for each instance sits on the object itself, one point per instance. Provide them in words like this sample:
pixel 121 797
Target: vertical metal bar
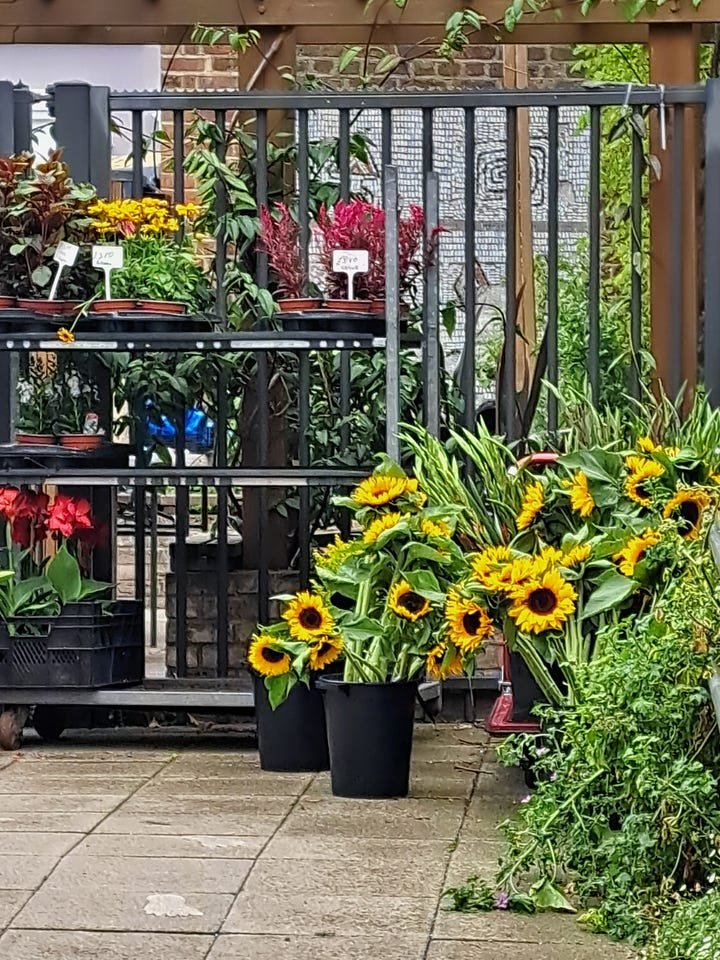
pixel 386 141
pixel 304 461
pixel 7 117
pixel 635 262
pixel 182 512
pixel 220 213
pixel 178 147
pixel 261 188
pixel 153 567
pixel 344 361
pixel 22 120
pixel 392 315
pixel 711 332
pixel 82 129
pixel 223 578
pixel 432 309
pixel 138 433
pixel 552 293
pixel 677 266
pixel 593 360
pixel 344 153
pixel 467 374
pixel 264 401
pixel 137 154
pixel 427 147
pixel 508 418
pixel 303 192
pixel 204 510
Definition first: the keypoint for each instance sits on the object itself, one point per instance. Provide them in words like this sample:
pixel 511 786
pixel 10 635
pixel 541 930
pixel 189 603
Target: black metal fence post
pixel 711 312
pixel 392 315
pixel 82 129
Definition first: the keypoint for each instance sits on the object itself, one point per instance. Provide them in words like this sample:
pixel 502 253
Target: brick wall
pixel 192 67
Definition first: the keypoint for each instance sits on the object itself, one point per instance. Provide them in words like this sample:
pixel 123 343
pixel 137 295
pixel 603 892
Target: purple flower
pixel 553 777
pixel 526 799
pixel 502 901
pixel 541 751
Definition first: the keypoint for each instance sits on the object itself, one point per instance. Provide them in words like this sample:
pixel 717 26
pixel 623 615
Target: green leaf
pixel 90 588
pixel 546 896
pixel 41 276
pixel 63 572
pixel 279 688
pixel 348 56
pixel 611 593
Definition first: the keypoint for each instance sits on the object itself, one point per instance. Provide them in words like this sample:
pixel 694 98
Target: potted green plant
pixel 161 272
pixel 77 423
pixel 280 240
pixel 38 400
pixel 40 205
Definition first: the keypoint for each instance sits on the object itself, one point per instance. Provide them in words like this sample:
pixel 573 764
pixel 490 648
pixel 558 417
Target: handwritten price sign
pixel 107 259
pixel 351 262
pixel 65 256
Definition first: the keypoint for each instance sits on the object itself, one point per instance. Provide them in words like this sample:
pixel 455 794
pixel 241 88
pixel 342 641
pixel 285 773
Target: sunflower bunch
pixel 303 642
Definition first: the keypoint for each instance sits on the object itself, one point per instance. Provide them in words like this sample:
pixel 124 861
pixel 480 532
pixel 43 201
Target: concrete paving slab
pixel 474 858
pixel 27 782
pixel 599 949
pixel 495 781
pixel 102 908
pixel 56 760
pixel 403 820
pixel 206 823
pixel 338 947
pixel 180 805
pixel 455 785
pixel 509 927
pixel 251 783
pixel 49 822
pixel 209 848
pixel 484 817
pixel 39 844
pixel 461 753
pixel 19 872
pixel 296 914
pixel 153 875
pixel 11 902
pixel 324 847
pixel 30 804
pixel 369 876
pixel 84 945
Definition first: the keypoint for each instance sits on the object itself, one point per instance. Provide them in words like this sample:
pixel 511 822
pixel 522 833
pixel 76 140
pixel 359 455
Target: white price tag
pixel 351 261
pixel 66 253
pixel 107 257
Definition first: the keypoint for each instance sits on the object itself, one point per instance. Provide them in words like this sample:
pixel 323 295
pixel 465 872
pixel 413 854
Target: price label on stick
pixel 351 262
pixel 107 258
pixel 65 256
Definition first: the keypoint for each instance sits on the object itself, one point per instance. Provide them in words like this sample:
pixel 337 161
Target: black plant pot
pixel 292 738
pixel 370 732
pixel 526 693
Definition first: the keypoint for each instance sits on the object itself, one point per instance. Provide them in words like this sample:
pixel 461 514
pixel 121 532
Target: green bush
pixel 692 931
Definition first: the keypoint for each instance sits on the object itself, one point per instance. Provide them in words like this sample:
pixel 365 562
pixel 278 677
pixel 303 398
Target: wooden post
pixel 515 75
pixel 674 60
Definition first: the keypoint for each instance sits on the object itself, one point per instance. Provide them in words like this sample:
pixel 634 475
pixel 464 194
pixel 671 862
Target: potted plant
pixel 77 422
pixel 40 205
pixel 286 659
pixel 58 627
pixel 359 225
pixel 280 240
pixel 38 400
pixel 161 272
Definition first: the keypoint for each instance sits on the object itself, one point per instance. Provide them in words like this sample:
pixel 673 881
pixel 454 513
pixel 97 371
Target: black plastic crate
pixel 85 647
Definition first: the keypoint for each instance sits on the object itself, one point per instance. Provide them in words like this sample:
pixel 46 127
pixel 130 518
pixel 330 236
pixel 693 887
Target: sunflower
pixel 531 506
pixel 576 555
pixel 634 551
pixel 647 445
pixel 640 471
pixel 266 658
pixel 432 528
pixel 686 509
pixel 381 488
pixel 468 623
pixel 435 659
pixel 407 604
pixel 308 617
pixel 380 525
pixel 513 574
pixel 325 651
pixel 581 500
pixel 543 604
pixel 489 560
pixel 715 477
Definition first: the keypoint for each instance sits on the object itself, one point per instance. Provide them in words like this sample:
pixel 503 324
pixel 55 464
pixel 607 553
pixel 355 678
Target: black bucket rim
pixel 335 681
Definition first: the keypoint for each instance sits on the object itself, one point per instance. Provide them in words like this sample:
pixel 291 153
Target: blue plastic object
pixel 199 430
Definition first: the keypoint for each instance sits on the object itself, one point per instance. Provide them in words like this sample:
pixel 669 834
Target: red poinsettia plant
pixel 359 225
pixel 35 585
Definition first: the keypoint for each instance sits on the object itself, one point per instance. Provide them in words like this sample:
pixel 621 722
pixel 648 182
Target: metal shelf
pixel 186 477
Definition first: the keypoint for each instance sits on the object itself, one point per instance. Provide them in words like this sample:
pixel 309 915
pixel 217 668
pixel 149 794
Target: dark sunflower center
pixel 310 618
pixel 542 601
pixel 272 656
pixel 412 602
pixel 688 515
pixel 471 622
pixel 323 648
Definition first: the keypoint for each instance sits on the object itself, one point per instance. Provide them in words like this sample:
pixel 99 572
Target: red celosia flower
pixel 280 240
pixel 8 496
pixel 69 516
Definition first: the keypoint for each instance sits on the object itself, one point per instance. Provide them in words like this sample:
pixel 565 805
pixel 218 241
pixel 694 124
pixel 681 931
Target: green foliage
pixel 158 269
pixel 692 931
pixel 627 804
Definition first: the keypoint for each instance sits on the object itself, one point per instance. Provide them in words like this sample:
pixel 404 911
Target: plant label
pixel 351 262
pixel 66 253
pixel 107 258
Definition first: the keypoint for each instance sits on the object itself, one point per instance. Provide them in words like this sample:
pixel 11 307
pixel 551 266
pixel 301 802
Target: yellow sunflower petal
pixel 266 659
pixel 405 603
pixel 386 522
pixel 438 669
pixel 381 488
pixel 324 652
pixel 543 604
pixel 531 506
pixel 634 551
pixel 581 500
pixel 435 528
pixel 686 509
pixel 468 623
pixel 308 618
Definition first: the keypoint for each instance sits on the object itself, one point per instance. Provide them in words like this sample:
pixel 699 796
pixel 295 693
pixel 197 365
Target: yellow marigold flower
pixel 325 651
pixel 543 604
pixel 532 505
pixel 581 500
pixel 264 657
pixel 634 551
pixel 380 489
pixel 686 509
pixel 308 618
pixel 647 446
pixel 65 336
pixel 434 663
pixel 641 470
pixel 575 555
pixel 468 623
pixel 386 522
pixel 188 210
pixel 435 528
pixel 405 603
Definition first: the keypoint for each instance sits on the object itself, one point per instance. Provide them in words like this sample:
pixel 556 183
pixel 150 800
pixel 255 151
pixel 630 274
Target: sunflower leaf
pixel 612 591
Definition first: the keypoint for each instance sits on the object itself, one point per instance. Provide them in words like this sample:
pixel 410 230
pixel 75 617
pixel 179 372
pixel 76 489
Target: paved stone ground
pixel 133 850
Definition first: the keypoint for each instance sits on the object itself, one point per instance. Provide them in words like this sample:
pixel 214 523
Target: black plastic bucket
pixel 292 738
pixel 370 732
